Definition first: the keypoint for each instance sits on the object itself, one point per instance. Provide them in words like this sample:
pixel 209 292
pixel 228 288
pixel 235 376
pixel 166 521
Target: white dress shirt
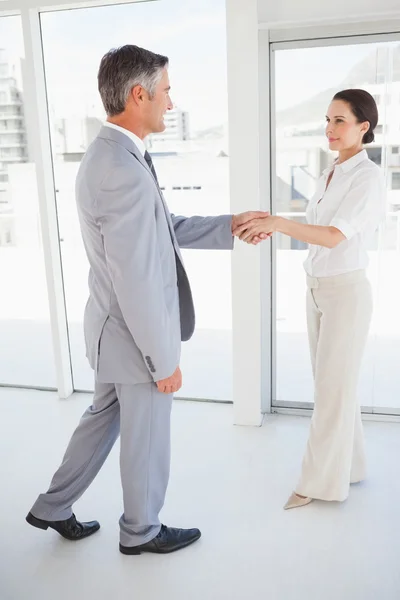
pixel 135 139
pixel 354 203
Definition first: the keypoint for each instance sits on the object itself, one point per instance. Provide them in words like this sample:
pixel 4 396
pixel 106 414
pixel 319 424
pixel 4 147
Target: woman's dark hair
pixel 363 107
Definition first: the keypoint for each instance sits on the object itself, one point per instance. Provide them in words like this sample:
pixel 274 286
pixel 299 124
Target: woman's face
pixel 342 130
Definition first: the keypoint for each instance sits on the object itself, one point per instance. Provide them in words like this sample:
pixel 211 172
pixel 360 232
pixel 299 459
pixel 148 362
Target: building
pixel 176 127
pixel 72 136
pixel 13 143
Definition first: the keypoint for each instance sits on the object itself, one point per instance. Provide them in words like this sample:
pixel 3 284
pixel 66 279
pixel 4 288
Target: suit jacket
pixel 140 305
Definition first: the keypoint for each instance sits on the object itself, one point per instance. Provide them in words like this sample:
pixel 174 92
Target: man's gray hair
pixel 121 69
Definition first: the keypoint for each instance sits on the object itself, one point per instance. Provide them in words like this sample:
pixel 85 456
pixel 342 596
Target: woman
pixel 343 215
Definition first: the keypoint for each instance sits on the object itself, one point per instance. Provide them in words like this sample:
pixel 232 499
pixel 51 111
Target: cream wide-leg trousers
pixel 339 311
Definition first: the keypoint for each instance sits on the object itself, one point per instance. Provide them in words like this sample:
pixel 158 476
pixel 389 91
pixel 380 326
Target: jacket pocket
pixel 99 343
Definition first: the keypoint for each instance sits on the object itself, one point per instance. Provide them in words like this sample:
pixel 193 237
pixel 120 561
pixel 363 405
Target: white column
pixel 249 189
pixel 38 132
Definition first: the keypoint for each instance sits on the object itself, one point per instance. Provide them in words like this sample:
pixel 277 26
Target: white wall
pixel 313 10
pixel 249 185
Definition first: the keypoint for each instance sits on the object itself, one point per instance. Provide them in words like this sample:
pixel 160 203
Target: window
pixel 375 154
pixel 11 139
pixel 396 180
pixel 11 110
pixel 300 156
pixel 11 152
pixel 73 99
pixel 25 321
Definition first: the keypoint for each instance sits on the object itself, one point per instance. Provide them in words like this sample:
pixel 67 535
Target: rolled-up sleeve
pixel 363 207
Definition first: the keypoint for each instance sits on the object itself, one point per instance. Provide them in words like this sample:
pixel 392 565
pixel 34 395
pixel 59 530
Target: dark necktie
pixel 147 158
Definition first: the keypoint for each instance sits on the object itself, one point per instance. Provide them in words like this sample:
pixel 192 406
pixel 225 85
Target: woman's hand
pixel 257 229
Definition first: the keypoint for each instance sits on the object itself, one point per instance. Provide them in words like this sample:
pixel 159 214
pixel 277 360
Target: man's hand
pixel 240 221
pixel 172 384
pixel 257 239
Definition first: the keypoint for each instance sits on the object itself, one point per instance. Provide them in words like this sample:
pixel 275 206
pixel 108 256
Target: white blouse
pixel 354 203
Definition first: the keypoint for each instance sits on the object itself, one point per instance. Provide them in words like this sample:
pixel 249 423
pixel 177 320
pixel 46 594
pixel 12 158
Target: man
pixel 140 308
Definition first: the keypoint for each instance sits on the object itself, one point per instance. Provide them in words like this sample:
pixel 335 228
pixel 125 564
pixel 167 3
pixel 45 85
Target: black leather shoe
pixel 168 540
pixel 71 529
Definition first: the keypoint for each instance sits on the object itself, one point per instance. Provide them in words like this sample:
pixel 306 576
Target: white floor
pixel 229 481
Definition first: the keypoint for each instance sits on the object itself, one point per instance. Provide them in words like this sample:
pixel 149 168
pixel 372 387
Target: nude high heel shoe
pixel 296 501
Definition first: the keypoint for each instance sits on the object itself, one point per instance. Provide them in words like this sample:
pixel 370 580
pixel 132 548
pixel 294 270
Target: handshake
pixel 254 226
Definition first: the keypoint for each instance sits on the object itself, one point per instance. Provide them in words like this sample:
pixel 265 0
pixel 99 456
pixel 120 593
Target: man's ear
pixel 138 94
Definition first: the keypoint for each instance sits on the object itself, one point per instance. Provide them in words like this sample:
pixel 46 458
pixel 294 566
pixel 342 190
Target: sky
pixel 191 33
pixel 302 73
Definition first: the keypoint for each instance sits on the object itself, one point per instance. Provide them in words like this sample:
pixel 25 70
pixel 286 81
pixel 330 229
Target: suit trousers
pixel 339 311
pixel 141 415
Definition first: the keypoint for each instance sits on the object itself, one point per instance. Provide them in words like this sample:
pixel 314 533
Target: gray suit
pixel 139 309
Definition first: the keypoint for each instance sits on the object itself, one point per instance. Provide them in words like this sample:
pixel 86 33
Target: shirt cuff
pixel 345 227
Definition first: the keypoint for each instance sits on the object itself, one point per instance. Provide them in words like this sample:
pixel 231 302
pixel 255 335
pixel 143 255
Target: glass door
pixel 191 157
pixel 304 80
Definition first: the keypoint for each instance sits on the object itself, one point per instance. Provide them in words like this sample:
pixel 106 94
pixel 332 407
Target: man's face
pixel 157 106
